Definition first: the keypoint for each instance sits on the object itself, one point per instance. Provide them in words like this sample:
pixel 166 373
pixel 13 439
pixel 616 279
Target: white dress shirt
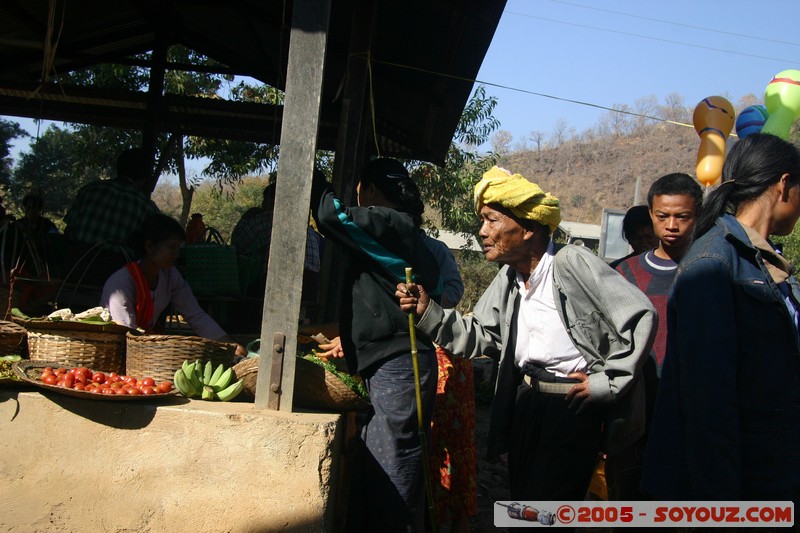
pixel 541 337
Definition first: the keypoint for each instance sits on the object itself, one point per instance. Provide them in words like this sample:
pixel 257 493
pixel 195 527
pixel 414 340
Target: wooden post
pixel 350 148
pixel 304 75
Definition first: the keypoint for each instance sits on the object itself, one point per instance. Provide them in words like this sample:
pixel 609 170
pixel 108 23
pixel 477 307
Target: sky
pixel 617 51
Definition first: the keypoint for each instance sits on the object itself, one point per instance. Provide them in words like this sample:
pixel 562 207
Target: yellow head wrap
pixel 523 198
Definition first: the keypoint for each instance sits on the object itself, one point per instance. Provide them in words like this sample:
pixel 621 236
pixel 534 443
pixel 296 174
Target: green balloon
pixel 782 100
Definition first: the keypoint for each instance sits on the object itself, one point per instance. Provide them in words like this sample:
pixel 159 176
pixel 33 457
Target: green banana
pixel 197 375
pixel 224 380
pixel 231 391
pixel 216 375
pixel 207 372
pixel 185 385
pixel 208 393
pixel 187 368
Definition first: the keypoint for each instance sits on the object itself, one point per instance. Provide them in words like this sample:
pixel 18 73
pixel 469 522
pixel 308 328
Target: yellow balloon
pixel 710 158
pixel 713 120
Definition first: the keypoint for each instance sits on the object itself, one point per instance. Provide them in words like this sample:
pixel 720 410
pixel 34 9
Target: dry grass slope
pixel 590 175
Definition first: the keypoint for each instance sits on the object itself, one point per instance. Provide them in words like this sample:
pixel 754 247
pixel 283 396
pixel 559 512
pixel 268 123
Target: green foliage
pixel 56 166
pixel 477 273
pixel 8 132
pixel 231 160
pixel 791 246
pixel 448 189
pixel 222 209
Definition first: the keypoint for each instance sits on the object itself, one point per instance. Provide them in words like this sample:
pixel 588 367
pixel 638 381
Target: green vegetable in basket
pixel 351 381
pixel 19 314
pixel 6 362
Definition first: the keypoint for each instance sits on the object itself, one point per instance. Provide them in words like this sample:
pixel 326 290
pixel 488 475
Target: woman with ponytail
pixel 726 424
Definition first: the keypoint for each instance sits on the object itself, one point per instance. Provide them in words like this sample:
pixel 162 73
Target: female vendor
pixel 137 293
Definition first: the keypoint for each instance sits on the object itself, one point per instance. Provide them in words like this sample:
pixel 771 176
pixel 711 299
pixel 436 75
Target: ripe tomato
pixel 106 390
pixel 164 387
pixel 147 390
pixel 51 379
pixel 46 373
pixel 79 386
pixel 133 391
pixel 148 382
pixel 116 385
pixel 48 369
pixel 120 391
pixel 99 377
pixel 61 370
pixel 69 380
pixel 80 378
pixel 112 377
pixel 130 380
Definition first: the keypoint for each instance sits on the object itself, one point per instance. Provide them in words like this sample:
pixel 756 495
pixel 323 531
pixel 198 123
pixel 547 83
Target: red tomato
pixel 46 373
pixel 106 390
pixel 80 378
pixel 48 369
pixel 116 385
pixel 148 382
pixel 51 379
pixel 130 380
pixel 120 391
pixel 79 386
pixel 71 371
pixel 133 391
pixel 164 387
pixel 98 377
pixel 112 377
pixel 61 370
pixel 69 380
pixel 148 390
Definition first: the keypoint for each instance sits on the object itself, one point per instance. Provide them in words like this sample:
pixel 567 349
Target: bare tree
pixel 674 109
pixel 537 137
pixel 561 132
pixel 501 142
pixel 746 101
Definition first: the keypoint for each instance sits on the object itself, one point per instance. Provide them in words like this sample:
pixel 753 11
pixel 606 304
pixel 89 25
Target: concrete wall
pixel 72 464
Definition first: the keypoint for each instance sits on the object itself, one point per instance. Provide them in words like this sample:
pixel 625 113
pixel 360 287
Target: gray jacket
pixel 610 321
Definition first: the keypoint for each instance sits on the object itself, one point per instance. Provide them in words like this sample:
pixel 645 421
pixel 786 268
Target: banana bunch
pixel 196 380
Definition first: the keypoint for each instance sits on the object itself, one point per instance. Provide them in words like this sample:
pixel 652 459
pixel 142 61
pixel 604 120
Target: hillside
pixel 590 174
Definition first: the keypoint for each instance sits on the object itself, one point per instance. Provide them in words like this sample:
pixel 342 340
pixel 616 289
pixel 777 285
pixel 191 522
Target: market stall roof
pixel 422 56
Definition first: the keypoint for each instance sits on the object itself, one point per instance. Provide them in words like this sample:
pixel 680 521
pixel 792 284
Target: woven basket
pixel 159 356
pixel 13 339
pixel 314 387
pixel 98 346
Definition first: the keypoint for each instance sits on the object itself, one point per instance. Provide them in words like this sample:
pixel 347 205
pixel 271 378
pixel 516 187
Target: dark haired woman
pixel 380 238
pixel 727 419
pixel 137 293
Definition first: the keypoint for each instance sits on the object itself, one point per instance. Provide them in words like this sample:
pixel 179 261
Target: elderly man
pixel 571 335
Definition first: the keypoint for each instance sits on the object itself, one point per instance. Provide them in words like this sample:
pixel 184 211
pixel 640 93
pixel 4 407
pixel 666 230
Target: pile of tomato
pixel 83 379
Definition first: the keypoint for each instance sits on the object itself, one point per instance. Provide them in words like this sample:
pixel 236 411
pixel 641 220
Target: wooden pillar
pixel 304 76
pixel 350 148
pixel 155 106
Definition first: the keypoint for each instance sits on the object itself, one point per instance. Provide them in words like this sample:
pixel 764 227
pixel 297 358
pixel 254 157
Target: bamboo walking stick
pixel 420 421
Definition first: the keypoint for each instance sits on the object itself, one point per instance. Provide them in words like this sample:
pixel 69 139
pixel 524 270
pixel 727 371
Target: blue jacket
pixel 726 424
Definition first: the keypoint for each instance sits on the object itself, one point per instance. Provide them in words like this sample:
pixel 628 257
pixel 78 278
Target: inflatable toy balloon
pixel 751 120
pixel 713 119
pixel 782 99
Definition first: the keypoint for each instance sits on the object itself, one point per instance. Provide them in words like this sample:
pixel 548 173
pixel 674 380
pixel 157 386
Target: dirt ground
pixel 492 478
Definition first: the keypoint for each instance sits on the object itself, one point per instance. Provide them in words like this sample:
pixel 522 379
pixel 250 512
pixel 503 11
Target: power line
pixel 519 90
pixel 790 61
pixel 713 30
